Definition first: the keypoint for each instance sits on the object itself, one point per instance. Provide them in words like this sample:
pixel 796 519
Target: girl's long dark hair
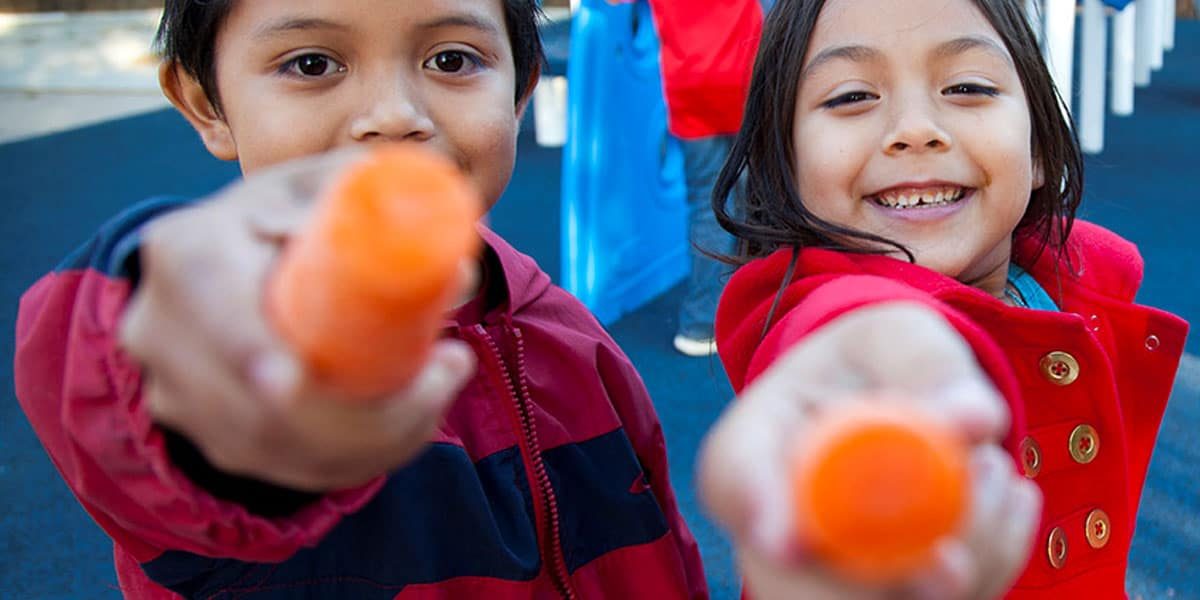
pixel 768 213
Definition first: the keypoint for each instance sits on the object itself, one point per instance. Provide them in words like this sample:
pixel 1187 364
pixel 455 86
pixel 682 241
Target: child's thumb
pixel 742 474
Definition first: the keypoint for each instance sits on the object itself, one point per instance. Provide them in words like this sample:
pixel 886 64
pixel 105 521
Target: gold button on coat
pixel 1056 548
pixel 1084 444
pixel 1098 528
pixel 1031 457
pixel 1059 368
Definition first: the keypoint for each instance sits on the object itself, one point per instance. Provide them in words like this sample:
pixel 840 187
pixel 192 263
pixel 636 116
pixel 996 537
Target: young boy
pixel 525 460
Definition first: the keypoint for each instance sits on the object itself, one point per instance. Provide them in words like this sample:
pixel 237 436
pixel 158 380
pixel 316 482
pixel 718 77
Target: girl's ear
pixel 189 98
pixel 1039 173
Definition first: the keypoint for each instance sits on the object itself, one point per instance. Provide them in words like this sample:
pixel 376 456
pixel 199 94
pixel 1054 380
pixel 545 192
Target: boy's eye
pixel 970 89
pixel 452 61
pixel 849 98
pixel 313 65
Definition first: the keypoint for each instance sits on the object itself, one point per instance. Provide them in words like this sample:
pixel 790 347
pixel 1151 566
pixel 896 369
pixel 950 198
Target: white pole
pixel 1122 60
pixel 1144 19
pixel 1060 42
pixel 1156 28
pixel 1093 51
pixel 1169 25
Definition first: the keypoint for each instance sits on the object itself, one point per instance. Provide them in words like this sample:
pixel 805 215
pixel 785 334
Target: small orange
pixel 362 292
pixel 876 486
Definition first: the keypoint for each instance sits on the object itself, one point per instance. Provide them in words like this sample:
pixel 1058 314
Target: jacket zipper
pixel 552 554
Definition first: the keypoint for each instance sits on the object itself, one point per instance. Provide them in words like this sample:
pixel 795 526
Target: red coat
pixel 1087 386
pixel 548 476
pixel 706 55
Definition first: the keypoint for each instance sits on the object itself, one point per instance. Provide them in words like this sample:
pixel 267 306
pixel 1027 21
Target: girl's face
pixel 912 124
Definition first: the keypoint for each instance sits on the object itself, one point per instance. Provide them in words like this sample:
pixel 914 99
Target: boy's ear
pixel 189 98
pixel 523 103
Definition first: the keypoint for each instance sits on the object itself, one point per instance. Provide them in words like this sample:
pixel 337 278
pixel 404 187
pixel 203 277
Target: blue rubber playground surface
pixel 56 189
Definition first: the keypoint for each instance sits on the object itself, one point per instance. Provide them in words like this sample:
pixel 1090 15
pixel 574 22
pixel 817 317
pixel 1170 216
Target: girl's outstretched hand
pixel 216 371
pixel 911 355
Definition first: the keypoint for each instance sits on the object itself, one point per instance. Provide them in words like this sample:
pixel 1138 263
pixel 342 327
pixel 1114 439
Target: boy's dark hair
pixel 769 214
pixel 187 36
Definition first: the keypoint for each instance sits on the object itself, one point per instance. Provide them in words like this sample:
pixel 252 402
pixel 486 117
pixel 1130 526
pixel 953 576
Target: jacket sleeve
pixel 824 299
pixel 82 395
pixel 641 424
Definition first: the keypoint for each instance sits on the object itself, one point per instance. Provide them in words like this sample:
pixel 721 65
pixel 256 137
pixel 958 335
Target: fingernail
pixel 274 374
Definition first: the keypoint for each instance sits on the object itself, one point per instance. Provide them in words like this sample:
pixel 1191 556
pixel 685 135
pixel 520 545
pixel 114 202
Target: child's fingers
pixel 1018 523
pixel 188 390
pixel 994 546
pixel 769 578
pixel 278 199
pixel 974 406
pixel 451 364
pixel 203 268
pixel 909 348
pixel 951 576
pixel 468 280
pixel 1004 514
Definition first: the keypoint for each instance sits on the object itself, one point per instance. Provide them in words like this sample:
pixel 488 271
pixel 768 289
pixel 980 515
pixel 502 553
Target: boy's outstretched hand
pixel 909 352
pixel 215 371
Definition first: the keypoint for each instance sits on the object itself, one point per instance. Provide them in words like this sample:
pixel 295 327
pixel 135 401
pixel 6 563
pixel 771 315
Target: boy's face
pixel 297 78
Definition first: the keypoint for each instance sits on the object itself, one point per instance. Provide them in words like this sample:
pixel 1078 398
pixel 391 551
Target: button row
pixel 1083 444
pixel 1097 529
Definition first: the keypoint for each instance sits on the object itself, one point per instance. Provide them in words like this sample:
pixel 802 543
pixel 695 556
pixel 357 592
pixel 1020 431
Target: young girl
pixel 909 227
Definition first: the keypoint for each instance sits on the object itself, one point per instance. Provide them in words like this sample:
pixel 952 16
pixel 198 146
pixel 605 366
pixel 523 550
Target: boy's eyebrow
pixel 461 20
pixel 972 42
pixel 282 26
pixel 858 54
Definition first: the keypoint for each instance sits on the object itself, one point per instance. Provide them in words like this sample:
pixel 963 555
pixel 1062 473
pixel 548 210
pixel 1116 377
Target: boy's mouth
pixel 906 198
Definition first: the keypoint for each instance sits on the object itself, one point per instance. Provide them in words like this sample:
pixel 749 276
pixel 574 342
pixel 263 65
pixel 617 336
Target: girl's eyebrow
pixel 853 53
pixel 968 43
pixel 863 54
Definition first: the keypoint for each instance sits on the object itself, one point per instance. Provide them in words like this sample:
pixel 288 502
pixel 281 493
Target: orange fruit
pixel 362 292
pixel 876 486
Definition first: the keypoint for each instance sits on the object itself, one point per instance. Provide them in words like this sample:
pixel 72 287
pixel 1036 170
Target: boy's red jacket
pixel 706 57
pixel 1087 386
pixel 547 479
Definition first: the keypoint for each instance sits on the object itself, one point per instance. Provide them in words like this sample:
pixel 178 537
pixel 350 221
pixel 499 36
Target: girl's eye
pixel 312 65
pixel 970 89
pixel 452 61
pixel 849 98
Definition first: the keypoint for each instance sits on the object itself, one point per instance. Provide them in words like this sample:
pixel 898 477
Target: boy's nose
pixel 393 115
pixel 915 128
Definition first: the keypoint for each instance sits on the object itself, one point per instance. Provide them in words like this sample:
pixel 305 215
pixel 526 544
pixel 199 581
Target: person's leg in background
pixel 702 159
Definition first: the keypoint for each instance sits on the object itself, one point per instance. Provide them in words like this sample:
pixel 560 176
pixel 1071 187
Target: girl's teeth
pixel 924 198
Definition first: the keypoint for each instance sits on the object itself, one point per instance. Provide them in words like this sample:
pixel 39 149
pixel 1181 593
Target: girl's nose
pixel 394 114
pixel 915 128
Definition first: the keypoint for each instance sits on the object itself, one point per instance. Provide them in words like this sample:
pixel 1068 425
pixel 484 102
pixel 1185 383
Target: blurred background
pixel 597 199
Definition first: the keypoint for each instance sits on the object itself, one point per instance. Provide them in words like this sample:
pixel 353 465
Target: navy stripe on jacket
pixel 442 517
